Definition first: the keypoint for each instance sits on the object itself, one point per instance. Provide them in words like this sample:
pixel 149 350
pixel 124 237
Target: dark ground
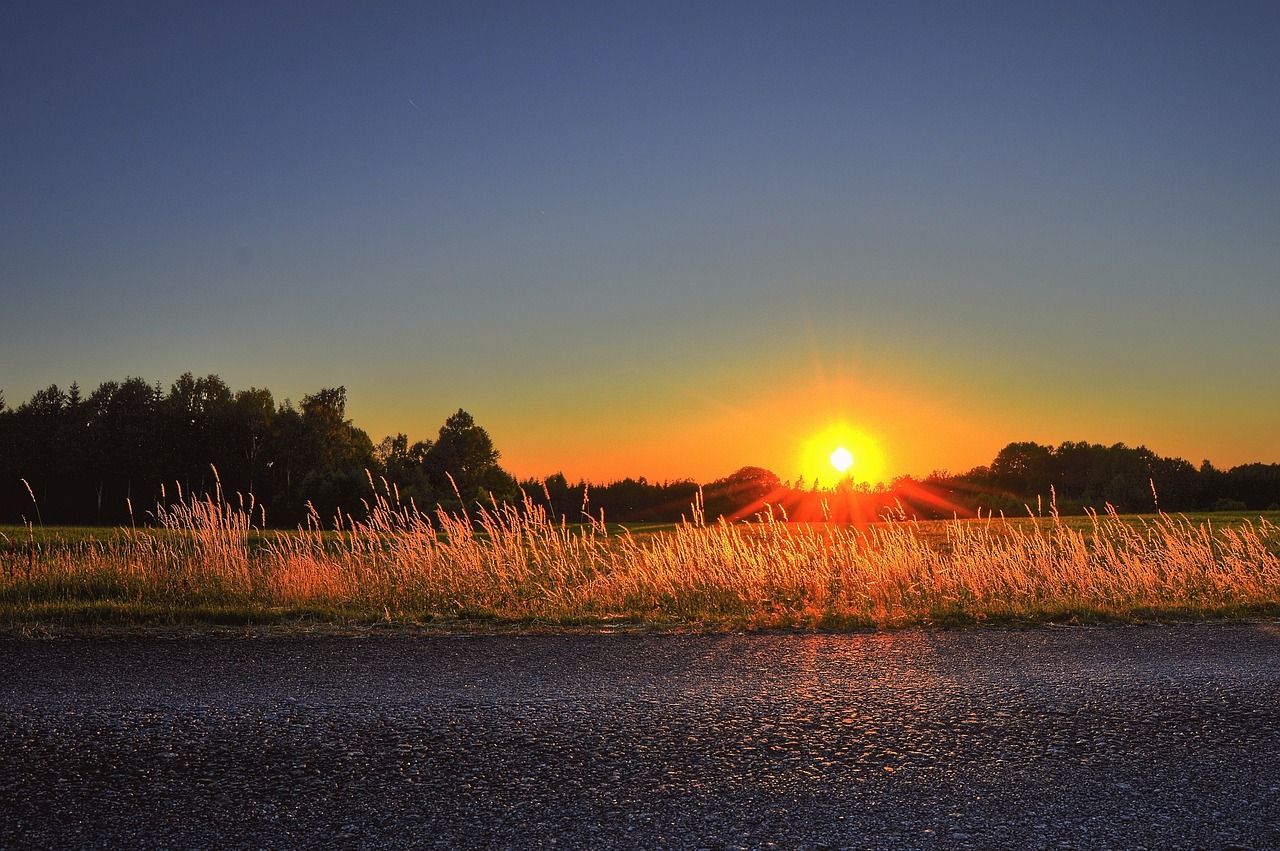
pixel 1135 737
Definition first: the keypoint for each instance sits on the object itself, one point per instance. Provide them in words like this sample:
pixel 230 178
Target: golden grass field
pixel 203 562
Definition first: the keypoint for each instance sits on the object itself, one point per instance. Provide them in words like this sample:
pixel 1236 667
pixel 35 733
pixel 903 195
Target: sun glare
pixel 841 452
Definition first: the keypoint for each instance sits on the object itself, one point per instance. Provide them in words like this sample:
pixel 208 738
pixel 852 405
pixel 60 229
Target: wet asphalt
pixel 1134 737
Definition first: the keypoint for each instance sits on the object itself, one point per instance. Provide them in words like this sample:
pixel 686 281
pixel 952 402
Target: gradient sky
pixel 661 240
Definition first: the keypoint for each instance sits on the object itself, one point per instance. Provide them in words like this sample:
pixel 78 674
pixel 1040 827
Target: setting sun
pixel 846 452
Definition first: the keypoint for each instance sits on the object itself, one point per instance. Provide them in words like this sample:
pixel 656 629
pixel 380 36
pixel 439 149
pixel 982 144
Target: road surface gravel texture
pixel 1131 737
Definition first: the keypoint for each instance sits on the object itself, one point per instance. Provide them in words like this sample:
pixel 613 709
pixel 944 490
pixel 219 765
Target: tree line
pixel 112 456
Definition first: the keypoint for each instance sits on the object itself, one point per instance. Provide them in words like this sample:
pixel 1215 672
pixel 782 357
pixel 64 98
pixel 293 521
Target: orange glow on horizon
pixel 705 429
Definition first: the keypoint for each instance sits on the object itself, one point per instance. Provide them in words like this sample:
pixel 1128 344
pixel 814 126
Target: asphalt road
pixel 1151 737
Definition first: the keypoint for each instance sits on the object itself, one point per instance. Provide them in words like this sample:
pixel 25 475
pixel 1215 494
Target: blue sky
pixel 661 239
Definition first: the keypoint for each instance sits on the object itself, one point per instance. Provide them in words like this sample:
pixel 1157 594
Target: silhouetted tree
pixel 197 425
pixel 336 455
pixel 124 457
pixel 463 457
pixel 252 413
pixel 1256 485
pixel 743 492
pixel 1025 468
pixel 404 465
pixel 1213 484
pixel 562 500
pixel 36 425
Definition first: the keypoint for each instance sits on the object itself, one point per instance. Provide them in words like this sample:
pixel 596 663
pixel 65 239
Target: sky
pixel 663 239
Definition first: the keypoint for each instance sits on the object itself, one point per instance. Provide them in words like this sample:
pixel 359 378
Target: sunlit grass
pixel 204 562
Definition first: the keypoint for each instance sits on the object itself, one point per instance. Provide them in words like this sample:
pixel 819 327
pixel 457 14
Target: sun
pixel 841 452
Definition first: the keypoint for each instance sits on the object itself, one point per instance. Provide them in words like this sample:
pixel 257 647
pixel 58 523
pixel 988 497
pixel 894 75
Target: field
pixel 203 564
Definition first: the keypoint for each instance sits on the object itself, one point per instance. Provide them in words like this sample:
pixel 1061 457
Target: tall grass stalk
pixel 516 564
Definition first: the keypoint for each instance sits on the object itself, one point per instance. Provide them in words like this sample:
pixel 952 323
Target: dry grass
pixel 205 563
